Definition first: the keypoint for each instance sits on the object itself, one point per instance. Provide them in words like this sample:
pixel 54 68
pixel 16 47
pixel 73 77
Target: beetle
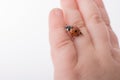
pixel 74 31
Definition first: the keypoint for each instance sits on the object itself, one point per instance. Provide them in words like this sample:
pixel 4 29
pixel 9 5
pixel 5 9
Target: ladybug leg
pixel 81 33
pixel 71 35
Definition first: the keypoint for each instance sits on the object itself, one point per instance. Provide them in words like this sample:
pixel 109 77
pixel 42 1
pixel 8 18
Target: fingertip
pixel 56 17
pixel 56 11
pixel 69 4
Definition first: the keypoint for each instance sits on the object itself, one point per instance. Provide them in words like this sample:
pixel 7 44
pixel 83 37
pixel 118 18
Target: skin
pixel 95 55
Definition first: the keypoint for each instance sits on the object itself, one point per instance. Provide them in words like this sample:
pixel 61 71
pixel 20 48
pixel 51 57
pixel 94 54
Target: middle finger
pixel 73 17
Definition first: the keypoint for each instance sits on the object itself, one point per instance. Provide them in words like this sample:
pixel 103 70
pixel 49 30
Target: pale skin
pixel 95 55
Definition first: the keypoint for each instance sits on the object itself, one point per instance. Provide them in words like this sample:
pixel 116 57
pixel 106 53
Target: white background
pixel 24 45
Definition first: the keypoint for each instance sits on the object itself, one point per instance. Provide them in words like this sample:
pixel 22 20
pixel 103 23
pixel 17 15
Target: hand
pixel 94 55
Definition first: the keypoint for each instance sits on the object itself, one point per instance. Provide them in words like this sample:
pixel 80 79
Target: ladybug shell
pixel 75 31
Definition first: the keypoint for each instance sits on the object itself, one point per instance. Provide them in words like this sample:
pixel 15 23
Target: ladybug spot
pixel 75 30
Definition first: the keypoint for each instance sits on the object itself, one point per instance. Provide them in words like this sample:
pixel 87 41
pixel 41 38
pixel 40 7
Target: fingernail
pixel 58 12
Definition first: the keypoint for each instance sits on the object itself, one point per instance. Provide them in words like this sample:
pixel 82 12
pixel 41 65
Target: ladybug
pixel 74 31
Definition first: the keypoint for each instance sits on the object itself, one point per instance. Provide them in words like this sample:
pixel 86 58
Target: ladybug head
pixel 68 28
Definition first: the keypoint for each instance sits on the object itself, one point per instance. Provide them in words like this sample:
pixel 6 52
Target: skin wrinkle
pixel 95 18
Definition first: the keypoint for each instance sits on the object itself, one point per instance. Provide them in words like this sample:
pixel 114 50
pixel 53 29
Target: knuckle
pixel 96 18
pixel 107 21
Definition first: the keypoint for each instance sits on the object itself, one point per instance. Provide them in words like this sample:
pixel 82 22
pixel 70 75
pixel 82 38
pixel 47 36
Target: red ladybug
pixel 74 31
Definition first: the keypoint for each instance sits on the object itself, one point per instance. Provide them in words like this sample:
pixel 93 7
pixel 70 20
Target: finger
pixel 105 17
pixel 73 17
pixel 113 39
pixel 62 47
pixel 103 12
pixel 94 22
pixel 70 10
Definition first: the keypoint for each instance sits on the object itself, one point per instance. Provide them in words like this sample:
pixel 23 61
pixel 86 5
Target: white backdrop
pixel 24 45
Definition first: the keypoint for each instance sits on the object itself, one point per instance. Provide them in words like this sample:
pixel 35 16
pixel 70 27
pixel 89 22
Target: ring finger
pixel 105 17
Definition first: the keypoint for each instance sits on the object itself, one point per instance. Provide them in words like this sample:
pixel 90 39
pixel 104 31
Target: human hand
pixel 94 55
